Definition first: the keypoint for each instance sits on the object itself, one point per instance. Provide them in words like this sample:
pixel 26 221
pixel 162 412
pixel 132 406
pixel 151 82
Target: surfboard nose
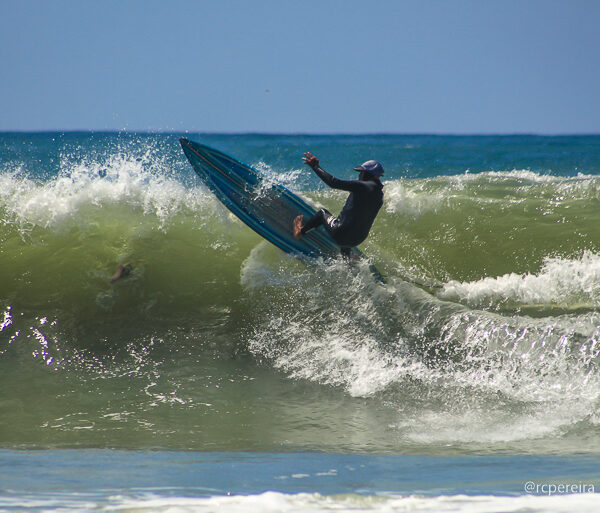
pixel 184 142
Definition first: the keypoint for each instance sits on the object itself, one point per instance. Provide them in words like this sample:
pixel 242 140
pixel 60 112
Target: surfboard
pixel 268 208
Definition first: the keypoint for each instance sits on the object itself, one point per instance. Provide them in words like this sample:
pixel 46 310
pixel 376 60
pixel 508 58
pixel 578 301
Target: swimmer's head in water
pixel 372 167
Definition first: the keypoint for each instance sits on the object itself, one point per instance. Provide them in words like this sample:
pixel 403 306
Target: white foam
pixel 120 179
pixel 412 201
pixel 338 344
pixel 414 197
pixel 272 502
pixel 263 265
pixel 338 360
pixel 525 175
pixel 559 282
pixel 335 328
pixel 288 179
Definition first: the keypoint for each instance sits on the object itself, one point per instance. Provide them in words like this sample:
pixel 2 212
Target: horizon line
pixel 302 134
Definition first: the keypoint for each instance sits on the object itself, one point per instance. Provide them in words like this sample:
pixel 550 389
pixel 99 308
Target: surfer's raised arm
pixel 333 182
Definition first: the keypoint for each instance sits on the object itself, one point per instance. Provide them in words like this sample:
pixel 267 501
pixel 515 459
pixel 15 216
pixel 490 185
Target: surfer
pixel 352 226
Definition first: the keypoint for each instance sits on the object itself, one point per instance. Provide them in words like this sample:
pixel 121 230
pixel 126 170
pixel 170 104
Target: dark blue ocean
pixel 223 374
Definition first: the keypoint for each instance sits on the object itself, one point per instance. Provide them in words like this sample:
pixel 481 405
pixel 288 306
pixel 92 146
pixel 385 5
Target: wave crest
pixel 568 282
pixel 127 181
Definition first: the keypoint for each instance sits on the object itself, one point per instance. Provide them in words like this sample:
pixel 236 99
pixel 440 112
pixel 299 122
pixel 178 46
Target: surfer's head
pixel 371 167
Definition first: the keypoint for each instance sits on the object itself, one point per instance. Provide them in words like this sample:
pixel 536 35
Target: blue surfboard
pixel 268 208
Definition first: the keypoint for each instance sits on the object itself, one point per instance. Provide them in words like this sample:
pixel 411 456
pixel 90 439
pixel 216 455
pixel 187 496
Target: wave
pixel 466 370
pixel 570 284
pixel 156 502
pixel 308 502
pixel 123 181
pixel 507 188
pixel 447 340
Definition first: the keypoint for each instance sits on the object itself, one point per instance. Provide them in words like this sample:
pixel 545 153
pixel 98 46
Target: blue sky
pixel 306 66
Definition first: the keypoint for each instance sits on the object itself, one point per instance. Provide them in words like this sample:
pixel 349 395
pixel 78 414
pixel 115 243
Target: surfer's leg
pixel 322 216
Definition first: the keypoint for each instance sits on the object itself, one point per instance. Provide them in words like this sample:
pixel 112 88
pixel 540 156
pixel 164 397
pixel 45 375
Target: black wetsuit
pixel 352 226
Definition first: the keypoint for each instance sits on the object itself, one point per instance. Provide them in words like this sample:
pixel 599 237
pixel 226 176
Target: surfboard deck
pixel 268 208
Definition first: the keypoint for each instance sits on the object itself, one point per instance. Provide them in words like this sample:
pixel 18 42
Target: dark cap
pixel 372 167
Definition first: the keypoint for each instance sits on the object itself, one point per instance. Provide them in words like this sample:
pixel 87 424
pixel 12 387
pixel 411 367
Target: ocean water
pixel 222 374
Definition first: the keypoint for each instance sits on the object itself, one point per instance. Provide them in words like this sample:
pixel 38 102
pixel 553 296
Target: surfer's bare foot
pixel 298 222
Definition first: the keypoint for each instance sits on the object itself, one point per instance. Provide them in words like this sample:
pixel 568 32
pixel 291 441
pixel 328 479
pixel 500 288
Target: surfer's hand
pixel 310 160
